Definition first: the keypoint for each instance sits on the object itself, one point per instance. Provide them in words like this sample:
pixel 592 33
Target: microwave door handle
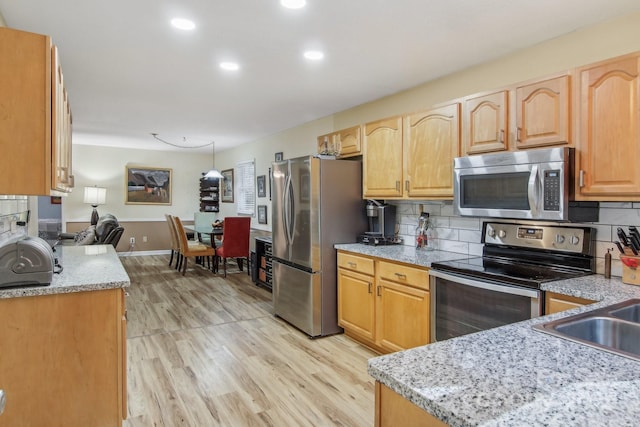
pixel 533 190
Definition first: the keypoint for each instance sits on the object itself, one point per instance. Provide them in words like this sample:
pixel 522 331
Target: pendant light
pixel 213 173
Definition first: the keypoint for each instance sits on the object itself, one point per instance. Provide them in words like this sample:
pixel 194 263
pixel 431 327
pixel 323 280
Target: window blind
pixel 246 187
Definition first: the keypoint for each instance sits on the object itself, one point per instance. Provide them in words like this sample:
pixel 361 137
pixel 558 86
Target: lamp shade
pixel 95 196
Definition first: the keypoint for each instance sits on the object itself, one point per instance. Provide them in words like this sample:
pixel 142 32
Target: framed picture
pixel 262 214
pixel 279 156
pixel 262 186
pixel 227 186
pixel 147 186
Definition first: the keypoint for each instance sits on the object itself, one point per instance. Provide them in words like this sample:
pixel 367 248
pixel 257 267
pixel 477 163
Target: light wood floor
pixel 205 351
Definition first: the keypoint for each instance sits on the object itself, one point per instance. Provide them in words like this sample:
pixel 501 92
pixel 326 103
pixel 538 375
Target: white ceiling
pixel 129 73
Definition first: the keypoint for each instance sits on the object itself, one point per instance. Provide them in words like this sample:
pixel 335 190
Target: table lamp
pixel 95 196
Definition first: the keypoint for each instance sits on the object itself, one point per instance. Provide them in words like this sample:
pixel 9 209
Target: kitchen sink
pixel 630 313
pixel 615 328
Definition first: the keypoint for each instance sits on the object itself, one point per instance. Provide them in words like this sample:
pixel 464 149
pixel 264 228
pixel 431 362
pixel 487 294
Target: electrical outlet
pixel 144 239
pixel 132 240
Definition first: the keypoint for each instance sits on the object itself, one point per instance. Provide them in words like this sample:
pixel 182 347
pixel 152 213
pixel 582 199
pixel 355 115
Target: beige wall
pixel 613 38
pixel 105 167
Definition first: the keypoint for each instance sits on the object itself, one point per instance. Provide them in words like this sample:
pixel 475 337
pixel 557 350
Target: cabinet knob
pixel 401 276
pixel 370 287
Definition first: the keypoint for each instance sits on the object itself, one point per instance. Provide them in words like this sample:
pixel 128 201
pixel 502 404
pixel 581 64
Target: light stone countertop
pixel 85 268
pixel 401 253
pixel 513 375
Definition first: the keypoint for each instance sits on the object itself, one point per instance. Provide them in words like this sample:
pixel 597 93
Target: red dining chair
pixel 235 242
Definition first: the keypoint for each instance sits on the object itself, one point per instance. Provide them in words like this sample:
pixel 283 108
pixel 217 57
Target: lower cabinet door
pixel 403 316
pixel 356 303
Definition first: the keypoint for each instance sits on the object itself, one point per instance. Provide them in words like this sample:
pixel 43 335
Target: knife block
pixel 630 269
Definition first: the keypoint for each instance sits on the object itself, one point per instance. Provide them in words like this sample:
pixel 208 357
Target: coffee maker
pixel 382 224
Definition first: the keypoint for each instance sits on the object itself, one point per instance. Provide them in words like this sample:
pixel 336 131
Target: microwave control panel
pixel 557 238
pixel 551 190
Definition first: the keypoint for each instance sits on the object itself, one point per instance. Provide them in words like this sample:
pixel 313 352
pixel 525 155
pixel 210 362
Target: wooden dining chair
pixel 235 242
pixel 188 250
pixel 175 247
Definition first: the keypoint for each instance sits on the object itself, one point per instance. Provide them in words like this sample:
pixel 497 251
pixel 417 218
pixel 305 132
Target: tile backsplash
pixel 12 210
pixel 463 235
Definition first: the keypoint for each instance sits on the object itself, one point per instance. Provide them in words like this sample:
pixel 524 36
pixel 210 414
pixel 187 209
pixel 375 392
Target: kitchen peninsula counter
pixel 64 345
pixel 84 268
pixel 515 376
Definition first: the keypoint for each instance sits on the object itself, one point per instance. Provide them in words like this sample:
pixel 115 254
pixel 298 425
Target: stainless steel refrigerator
pixel 316 203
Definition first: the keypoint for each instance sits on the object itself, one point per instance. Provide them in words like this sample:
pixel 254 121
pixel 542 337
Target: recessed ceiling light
pixel 230 66
pixel 314 55
pixel 183 24
pixel 293 4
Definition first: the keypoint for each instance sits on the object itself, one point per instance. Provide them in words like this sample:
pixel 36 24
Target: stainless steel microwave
pixel 531 184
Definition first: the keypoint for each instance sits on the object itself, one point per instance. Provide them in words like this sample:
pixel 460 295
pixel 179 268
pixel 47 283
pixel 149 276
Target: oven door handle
pixel 525 292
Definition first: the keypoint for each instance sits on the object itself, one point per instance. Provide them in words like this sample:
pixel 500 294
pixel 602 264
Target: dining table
pixel 205 229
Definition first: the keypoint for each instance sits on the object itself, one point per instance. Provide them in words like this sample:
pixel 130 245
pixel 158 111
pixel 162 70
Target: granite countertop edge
pixel 84 268
pixel 514 375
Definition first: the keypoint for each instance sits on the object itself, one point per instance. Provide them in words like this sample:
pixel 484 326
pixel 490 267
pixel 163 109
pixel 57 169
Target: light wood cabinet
pixel 344 143
pixel 555 303
pixel 403 306
pixel 382 304
pixel 64 359
pixel 62 176
pixel 382 159
pixel 394 410
pixel 35 130
pixel 485 123
pixel 543 113
pixel 431 142
pixel 608 143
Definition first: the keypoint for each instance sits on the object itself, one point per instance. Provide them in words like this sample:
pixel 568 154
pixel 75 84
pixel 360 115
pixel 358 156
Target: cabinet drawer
pixel 355 263
pixel 416 277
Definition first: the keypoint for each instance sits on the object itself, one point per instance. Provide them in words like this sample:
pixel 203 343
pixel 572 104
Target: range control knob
pixel 502 234
pixel 491 232
pixel 559 239
pixel 575 240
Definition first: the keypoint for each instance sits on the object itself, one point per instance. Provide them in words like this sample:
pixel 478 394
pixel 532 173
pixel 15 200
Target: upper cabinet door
pixel 485 121
pixel 382 159
pixel 609 138
pixel 432 141
pixel 62 178
pixel 348 141
pixel 543 113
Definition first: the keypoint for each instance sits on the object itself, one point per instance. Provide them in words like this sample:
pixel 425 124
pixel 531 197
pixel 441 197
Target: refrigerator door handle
pixel 292 210
pixel 288 222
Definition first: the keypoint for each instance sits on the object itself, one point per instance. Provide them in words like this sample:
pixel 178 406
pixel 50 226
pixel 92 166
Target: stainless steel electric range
pixel 503 285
